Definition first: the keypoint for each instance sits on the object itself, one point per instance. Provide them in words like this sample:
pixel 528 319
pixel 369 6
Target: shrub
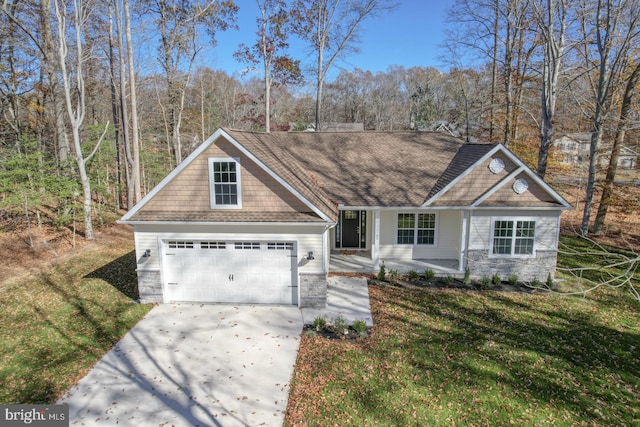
pixel 394 276
pixel 467 276
pixel 513 279
pixel 485 282
pixel 382 273
pixel 549 281
pixel 319 323
pixel 448 280
pixel 429 274
pixel 413 275
pixel 340 325
pixel 496 279
pixel 360 326
pixel 535 283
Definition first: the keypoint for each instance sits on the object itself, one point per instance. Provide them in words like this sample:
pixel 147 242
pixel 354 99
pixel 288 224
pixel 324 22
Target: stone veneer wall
pixel 526 269
pixel 149 286
pixel 313 290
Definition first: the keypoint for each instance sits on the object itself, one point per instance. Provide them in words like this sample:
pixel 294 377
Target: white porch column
pixel 375 245
pixel 464 239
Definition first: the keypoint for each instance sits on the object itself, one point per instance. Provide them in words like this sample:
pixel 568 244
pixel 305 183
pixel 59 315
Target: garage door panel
pixel 234 272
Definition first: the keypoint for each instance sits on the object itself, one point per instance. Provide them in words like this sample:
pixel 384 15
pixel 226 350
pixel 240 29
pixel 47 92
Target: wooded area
pixel 82 126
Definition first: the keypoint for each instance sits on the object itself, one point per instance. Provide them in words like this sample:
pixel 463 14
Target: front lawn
pixel 477 358
pixel 56 324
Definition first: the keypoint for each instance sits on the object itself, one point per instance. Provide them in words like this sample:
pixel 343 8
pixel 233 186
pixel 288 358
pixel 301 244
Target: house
pixel 255 217
pixel 573 149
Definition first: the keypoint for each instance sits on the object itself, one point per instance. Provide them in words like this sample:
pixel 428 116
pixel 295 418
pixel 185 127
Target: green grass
pixel 453 357
pixel 54 326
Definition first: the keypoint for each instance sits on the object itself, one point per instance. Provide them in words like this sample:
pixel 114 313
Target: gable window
pixel 417 229
pixel 513 237
pixel 225 183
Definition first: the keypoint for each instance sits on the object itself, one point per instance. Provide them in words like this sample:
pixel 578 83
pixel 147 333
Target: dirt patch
pixel 24 252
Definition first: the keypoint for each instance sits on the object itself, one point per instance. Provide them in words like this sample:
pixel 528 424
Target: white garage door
pixel 228 271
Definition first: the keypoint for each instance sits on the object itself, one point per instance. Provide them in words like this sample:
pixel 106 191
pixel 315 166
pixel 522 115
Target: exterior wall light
pixel 147 253
pixel 310 256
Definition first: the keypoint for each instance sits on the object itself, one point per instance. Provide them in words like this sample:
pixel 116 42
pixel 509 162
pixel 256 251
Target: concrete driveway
pixel 194 365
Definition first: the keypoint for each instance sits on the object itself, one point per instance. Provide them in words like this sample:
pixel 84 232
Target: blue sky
pixel 408 36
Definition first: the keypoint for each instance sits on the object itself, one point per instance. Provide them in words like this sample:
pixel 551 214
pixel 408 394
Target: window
pixel 247 245
pixel 179 244
pixel 426 229
pixel 225 183
pixel 213 245
pixel 277 246
pixel 416 229
pixel 510 241
pixel 406 229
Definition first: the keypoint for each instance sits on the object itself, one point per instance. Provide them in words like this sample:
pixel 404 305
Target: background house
pixel 573 149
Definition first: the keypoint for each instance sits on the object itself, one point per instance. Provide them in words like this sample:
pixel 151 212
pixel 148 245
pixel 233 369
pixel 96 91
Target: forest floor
pixel 25 250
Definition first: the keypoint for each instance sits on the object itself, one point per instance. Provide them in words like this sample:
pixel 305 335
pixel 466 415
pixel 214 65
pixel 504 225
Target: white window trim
pixel 212 189
pixel 515 220
pixel 415 230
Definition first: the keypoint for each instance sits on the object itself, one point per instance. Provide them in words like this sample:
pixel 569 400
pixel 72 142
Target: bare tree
pixel 270 50
pixel 133 99
pixel 74 95
pixel 616 31
pixel 607 269
pixel 618 142
pixel 331 29
pixel 180 25
pixel 476 28
pixel 551 17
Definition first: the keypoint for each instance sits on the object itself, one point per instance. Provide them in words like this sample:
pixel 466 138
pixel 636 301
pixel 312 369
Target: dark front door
pixel 350 222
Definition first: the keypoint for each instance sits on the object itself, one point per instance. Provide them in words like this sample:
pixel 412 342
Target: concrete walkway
pixel 347 297
pixel 194 365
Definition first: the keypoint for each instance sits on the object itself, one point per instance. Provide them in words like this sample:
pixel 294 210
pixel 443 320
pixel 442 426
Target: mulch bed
pixel 441 283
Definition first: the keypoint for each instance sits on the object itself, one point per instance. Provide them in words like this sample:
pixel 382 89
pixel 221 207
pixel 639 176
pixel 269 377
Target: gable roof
pixel 325 170
pixel 470 182
pixel 320 207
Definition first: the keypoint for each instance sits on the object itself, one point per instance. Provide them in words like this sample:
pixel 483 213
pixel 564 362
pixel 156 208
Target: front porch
pixel 361 262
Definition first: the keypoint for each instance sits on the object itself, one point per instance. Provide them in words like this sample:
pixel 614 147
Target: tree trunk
pixel 553 52
pixel 57 102
pixel 508 77
pixel 625 110
pixel 115 112
pixel 135 144
pixel 124 110
pixel 494 72
pixel 76 115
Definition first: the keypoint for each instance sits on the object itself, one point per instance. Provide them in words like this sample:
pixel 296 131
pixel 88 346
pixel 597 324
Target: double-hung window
pixel 417 229
pixel 513 237
pixel 225 183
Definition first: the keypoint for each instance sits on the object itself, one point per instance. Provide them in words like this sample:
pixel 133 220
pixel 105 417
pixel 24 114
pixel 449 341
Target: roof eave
pixel 245 223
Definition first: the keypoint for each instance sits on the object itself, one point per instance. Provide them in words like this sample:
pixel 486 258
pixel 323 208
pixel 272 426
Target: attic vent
pixel 496 165
pixel 520 186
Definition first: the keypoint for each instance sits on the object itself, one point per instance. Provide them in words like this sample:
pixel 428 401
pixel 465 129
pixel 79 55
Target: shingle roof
pixel 357 168
pixel 227 216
